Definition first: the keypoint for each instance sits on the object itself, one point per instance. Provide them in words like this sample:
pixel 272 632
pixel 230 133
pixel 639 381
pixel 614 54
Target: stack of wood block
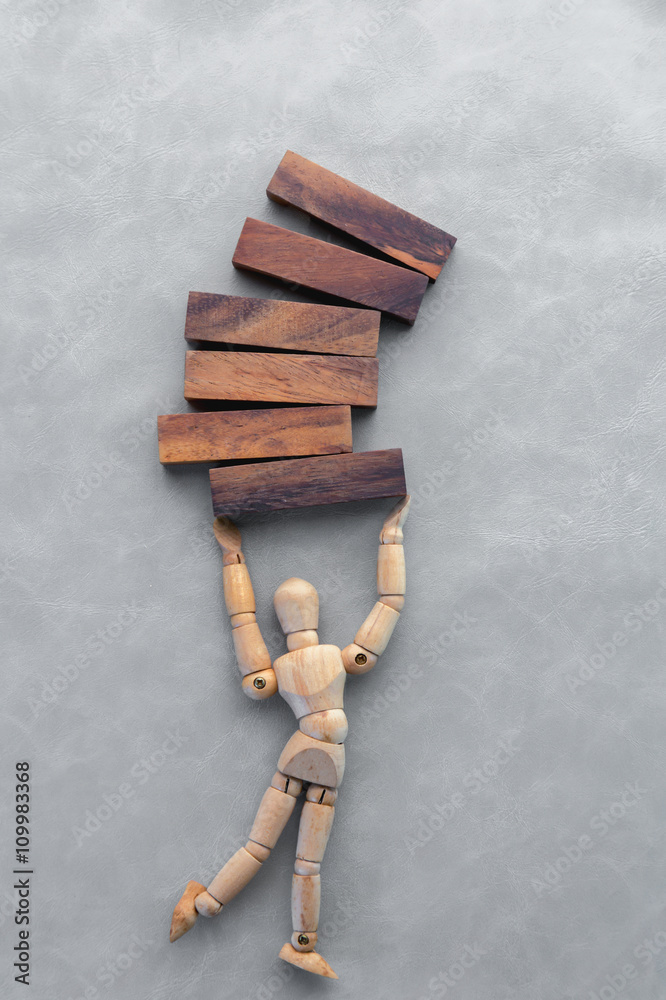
pixel 300 367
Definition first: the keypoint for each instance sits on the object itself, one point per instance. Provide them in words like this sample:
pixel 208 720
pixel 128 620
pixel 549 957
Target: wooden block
pixel 239 434
pixel 280 378
pixel 293 326
pixel 326 267
pixel 338 202
pixel 307 482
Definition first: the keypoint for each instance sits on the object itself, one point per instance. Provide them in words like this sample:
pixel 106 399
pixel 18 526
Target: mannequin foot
pixel 308 960
pixel 185 914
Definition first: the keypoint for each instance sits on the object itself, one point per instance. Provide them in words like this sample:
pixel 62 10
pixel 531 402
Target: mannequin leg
pixel 275 809
pixel 313 834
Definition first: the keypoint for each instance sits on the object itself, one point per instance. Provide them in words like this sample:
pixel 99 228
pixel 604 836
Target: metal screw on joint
pixel 260 682
pixel 360 658
pixel 303 939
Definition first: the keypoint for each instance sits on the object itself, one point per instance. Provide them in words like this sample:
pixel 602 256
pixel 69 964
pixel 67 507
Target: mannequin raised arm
pixel 253 658
pixel 373 636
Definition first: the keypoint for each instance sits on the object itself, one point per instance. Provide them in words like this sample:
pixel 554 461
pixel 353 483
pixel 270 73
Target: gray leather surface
pixel 529 401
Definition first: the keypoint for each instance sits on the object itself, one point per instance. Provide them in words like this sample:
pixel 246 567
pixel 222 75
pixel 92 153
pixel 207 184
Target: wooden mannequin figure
pixel 311 678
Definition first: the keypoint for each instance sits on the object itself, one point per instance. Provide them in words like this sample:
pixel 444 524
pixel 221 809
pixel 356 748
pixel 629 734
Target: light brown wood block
pixel 275 323
pixel 313 761
pixel 231 435
pixel 311 961
pixel 251 653
pixel 296 604
pixel 330 726
pixel 377 629
pixel 280 378
pixel 235 875
pixel 391 576
pixel 361 214
pixel 314 830
pixel 274 810
pixel 305 902
pixel 185 912
pixel 326 267
pixel 306 482
pixel 238 592
pixel 311 679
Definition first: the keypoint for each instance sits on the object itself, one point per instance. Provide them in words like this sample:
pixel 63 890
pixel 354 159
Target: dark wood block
pixel 294 326
pixel 280 378
pixel 307 482
pixel 241 434
pixel 366 216
pixel 325 267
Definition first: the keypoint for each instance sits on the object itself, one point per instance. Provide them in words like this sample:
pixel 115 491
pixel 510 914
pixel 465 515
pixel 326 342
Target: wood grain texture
pixel 241 434
pixel 281 378
pixel 294 326
pixel 366 216
pixel 307 482
pixel 325 267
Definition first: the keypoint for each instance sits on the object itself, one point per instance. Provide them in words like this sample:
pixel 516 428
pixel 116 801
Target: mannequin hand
pixel 391 533
pixel 229 538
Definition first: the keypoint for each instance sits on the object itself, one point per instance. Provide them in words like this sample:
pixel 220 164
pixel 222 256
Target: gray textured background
pixel 529 401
